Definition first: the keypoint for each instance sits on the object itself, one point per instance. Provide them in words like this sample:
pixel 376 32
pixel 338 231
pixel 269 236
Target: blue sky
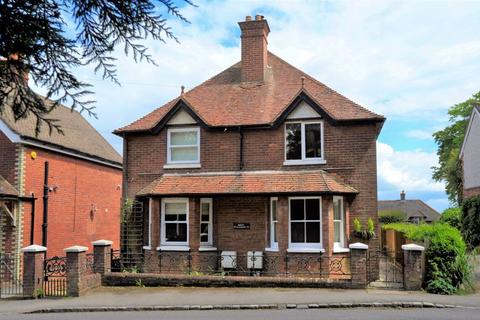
pixel 408 60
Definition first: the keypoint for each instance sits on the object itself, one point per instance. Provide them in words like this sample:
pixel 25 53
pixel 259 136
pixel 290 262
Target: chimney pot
pixel 248 18
pixel 402 195
pixel 258 17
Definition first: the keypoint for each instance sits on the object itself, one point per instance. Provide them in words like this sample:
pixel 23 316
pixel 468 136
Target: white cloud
pixel 406 170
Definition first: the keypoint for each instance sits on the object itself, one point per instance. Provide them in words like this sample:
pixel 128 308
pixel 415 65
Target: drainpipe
pixel 32 223
pixel 45 206
pixel 240 130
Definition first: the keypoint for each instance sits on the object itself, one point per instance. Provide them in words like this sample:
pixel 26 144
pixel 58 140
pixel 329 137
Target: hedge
pixel 447 263
pixel 471 221
pixel 391 216
pixel 452 217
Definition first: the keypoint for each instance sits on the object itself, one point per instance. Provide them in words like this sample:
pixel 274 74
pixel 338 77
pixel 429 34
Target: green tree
pixel 449 142
pixel 452 216
pixel 50 39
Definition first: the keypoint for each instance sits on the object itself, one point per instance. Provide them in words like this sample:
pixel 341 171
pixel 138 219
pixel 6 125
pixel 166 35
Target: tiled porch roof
pixel 6 189
pixel 247 182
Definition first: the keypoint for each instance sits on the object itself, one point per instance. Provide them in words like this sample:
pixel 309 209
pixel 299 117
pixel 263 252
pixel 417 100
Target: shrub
pixel 447 263
pixel 471 221
pixel 391 216
pixel 451 216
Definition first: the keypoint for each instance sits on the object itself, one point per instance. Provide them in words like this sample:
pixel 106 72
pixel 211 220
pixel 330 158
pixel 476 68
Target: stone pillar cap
pixel 76 249
pixel 412 247
pixel 358 246
pixel 102 242
pixel 34 248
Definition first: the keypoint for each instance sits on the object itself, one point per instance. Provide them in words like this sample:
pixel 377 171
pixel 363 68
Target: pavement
pixel 183 298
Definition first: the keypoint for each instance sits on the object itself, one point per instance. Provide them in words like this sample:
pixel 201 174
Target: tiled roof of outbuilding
pixel 225 100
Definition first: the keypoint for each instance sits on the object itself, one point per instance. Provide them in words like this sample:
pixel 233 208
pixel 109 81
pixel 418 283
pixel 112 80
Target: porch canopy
pixel 247 182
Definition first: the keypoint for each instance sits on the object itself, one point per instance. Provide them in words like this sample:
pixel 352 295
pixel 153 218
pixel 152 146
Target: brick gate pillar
pixel 76 257
pixel 102 256
pixel 33 264
pixel 413 266
pixel 358 264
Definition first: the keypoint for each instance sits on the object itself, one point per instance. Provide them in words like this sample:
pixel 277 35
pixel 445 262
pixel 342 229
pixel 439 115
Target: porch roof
pixel 247 182
pixel 6 189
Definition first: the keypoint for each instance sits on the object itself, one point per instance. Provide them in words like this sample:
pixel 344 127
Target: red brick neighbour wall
pixel 467 193
pixel 78 187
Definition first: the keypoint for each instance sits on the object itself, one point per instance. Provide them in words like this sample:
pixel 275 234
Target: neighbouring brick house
pixel 84 180
pixel 470 155
pixel 261 157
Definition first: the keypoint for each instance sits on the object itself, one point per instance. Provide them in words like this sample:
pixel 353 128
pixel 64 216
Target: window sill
pixel 207 249
pixel 340 250
pixel 271 249
pixel 173 248
pixel 303 162
pixel 181 165
pixel 147 248
pixel 306 250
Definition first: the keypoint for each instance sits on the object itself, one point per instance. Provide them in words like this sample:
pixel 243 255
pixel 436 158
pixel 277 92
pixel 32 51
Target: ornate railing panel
pixel 55 277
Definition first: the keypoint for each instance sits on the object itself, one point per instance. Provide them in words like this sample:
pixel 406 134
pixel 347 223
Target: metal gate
pixel 10 281
pixel 390 268
pixel 55 277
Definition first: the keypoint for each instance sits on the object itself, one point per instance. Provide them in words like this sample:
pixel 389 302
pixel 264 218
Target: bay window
pixel 183 145
pixel 174 222
pixel 305 225
pixel 304 142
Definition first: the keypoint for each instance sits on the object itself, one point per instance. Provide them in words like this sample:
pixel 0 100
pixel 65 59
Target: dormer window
pixel 304 142
pixel 183 146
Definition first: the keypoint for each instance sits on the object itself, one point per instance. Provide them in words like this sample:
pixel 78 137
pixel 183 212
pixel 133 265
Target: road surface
pixel 317 314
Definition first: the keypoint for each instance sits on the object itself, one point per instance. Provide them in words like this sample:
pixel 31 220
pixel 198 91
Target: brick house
pixel 469 154
pixel 261 157
pixel 84 181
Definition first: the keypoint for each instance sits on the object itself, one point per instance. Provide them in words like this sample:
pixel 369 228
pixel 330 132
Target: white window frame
pixel 341 244
pixel 273 244
pixel 169 146
pixel 150 208
pixel 163 240
pixel 209 243
pixel 304 160
pixel 304 247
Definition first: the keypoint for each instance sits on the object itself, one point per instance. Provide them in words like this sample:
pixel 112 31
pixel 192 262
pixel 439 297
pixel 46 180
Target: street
pixel 337 314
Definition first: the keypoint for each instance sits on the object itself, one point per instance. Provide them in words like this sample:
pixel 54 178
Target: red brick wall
pixel 350 152
pixel 80 184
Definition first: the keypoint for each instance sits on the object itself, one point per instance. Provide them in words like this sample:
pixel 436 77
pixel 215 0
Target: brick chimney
pixel 254 48
pixel 402 195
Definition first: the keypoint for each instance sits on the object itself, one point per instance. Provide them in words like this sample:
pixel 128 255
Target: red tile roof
pixel 246 182
pixel 226 101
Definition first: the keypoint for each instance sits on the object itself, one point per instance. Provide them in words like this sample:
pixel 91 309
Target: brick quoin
pixel 78 187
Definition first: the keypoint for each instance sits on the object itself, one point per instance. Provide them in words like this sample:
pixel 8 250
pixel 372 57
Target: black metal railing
pixel 55 277
pixel 244 264
pixel 89 266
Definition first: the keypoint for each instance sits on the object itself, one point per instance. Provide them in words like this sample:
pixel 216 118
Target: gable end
pixel 180 106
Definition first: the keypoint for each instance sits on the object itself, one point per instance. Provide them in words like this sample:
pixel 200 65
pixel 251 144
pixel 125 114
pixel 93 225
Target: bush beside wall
pixel 447 263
